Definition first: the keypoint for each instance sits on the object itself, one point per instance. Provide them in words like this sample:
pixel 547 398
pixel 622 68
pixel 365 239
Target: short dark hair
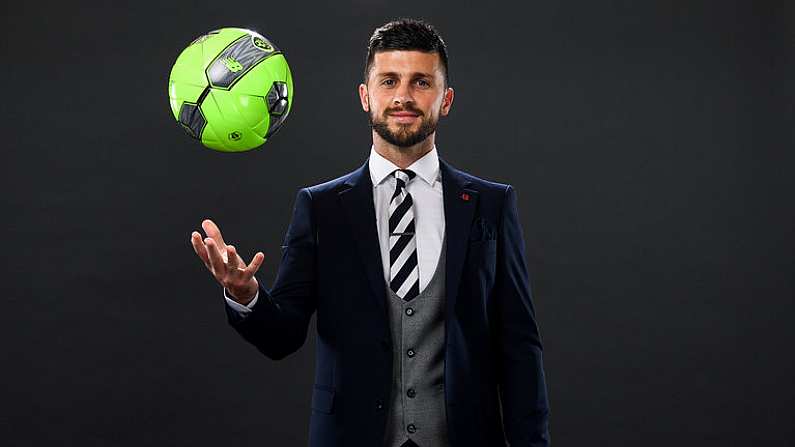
pixel 406 34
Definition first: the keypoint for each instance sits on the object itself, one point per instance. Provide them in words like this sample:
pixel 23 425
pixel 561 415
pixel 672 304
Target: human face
pixel 405 96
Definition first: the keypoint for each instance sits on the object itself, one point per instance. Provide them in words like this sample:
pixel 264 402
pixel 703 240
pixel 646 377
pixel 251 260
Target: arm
pixel 518 343
pixel 279 318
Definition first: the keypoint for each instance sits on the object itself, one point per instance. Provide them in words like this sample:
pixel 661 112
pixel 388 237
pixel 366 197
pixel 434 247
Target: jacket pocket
pixel 322 399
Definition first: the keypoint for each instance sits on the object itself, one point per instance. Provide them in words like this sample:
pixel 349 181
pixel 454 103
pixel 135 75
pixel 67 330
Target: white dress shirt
pixel 426 192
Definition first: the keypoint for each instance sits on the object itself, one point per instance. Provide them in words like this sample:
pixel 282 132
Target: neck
pixel 402 157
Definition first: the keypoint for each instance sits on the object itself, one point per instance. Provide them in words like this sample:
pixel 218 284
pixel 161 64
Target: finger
pixel 255 264
pixel 236 265
pixel 214 232
pixel 217 262
pixel 199 248
pixel 241 263
pixel 232 258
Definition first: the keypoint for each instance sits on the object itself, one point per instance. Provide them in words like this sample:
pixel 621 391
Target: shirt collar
pixel 426 167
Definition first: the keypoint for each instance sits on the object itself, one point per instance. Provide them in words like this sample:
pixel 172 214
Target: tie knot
pixel 404 176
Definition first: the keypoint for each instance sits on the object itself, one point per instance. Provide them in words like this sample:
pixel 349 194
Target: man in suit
pixel 426 330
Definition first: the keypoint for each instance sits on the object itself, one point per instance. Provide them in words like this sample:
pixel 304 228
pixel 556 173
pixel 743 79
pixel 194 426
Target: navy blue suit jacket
pixel 331 264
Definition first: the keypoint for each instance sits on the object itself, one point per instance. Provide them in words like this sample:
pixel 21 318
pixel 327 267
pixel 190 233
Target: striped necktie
pixel 404 277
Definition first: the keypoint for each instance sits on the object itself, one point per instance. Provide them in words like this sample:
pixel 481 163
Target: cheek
pixel 380 109
pixel 435 105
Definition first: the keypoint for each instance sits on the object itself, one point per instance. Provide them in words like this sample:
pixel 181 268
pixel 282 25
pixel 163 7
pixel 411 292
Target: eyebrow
pixel 416 74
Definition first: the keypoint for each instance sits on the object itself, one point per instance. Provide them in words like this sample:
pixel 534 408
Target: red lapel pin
pixel 465 196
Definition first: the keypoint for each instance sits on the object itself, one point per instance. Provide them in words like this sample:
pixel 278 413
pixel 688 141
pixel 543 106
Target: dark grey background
pixel 650 144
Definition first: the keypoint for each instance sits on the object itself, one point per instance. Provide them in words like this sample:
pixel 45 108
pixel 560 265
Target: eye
pixel 388 82
pixel 423 83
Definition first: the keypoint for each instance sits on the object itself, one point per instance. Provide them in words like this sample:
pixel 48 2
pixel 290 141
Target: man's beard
pixel 404 137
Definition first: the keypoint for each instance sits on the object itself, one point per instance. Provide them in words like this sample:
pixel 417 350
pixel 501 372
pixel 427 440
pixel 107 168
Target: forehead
pixel 406 62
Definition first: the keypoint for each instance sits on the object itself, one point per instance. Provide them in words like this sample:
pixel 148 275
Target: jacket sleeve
pixel 278 322
pixel 519 361
pixel 241 309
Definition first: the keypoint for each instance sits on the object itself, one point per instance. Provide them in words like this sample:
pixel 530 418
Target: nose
pixel 402 94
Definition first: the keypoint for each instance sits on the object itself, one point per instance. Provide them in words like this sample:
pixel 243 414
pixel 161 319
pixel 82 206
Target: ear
pixel 364 98
pixel 447 101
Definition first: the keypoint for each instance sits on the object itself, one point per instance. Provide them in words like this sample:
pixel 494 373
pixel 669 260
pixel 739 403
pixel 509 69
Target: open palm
pixel 225 264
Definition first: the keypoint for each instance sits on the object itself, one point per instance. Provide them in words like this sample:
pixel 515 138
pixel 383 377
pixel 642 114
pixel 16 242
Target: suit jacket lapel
pixel 460 203
pixel 357 200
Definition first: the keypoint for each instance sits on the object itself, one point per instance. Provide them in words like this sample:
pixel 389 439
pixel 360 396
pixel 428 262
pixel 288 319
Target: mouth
pixel 404 117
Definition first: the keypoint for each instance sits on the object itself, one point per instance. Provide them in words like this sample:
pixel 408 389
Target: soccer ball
pixel 231 89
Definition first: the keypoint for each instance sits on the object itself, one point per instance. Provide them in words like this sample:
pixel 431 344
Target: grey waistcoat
pixel 416 408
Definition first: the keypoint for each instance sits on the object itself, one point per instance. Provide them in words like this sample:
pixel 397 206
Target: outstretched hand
pixel 222 260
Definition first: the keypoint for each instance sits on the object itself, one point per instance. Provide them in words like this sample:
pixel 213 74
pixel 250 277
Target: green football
pixel 231 89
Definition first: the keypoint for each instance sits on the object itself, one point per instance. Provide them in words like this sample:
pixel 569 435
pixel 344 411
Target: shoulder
pixel 488 189
pixel 332 187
